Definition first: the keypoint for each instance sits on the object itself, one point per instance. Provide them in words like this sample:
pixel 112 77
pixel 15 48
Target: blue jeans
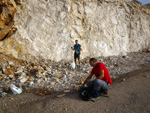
pixel 99 86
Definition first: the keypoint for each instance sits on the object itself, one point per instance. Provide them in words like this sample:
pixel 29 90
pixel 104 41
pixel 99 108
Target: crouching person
pixel 102 81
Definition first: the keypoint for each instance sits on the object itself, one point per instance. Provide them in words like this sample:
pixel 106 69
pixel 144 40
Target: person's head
pixel 76 41
pixel 93 62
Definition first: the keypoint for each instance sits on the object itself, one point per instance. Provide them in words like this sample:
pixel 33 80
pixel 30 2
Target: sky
pixel 144 1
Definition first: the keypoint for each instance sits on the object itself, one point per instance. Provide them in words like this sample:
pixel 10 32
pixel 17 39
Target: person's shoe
pixel 104 95
pixel 94 99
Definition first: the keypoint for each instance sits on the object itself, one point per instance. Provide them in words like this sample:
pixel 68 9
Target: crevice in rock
pixel 7 12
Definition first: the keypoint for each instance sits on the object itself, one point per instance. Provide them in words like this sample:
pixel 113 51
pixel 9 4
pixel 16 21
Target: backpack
pixel 85 93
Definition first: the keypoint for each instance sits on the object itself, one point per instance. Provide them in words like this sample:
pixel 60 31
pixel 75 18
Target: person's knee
pixel 98 82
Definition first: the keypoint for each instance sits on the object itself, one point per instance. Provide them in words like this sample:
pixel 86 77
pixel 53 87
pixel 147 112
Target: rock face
pixel 47 28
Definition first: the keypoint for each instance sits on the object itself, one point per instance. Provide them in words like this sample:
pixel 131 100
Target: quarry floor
pixel 129 94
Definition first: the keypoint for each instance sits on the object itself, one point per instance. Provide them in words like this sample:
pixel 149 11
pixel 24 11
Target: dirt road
pixel 129 94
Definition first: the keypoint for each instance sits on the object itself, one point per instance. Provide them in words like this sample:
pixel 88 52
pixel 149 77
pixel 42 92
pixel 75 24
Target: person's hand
pixel 72 48
pixel 83 85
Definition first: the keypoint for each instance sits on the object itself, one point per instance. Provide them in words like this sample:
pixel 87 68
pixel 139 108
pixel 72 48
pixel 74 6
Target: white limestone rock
pixel 47 29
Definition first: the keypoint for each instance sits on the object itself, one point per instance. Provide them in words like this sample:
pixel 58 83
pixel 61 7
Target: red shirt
pixel 96 70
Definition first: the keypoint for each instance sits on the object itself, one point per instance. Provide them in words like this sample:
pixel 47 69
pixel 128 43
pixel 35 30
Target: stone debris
pixel 59 76
pixel 11 63
pixel 148 50
pixel 124 80
pixel 11 76
pixel 31 83
pixel 3 94
pixel 56 75
pixel 61 95
pixel 42 92
pixel 66 91
pixel 31 79
pixel 146 76
pixel 24 79
pixel 1 90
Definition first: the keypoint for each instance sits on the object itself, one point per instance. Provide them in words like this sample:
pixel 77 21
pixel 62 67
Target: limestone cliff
pixel 47 28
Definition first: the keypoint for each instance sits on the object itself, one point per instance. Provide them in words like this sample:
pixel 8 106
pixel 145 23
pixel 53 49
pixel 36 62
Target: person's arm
pixel 80 49
pixel 72 48
pixel 88 78
pixel 101 75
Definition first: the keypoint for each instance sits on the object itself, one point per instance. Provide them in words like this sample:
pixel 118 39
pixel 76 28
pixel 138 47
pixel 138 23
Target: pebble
pixel 1 90
pixel 3 94
pixel 24 79
pixel 106 110
pixel 124 80
pixel 146 76
pixel 10 63
pixel 11 76
pixel 52 83
pixel 39 81
pixel 61 95
pixel 31 83
pixel 66 91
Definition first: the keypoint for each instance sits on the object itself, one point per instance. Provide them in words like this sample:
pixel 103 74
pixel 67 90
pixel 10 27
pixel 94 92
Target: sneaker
pixel 94 99
pixel 104 95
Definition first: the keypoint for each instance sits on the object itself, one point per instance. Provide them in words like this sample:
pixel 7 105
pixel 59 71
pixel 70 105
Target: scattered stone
pixel 116 64
pixel 39 81
pixel 106 110
pixel 11 63
pixel 61 95
pixel 124 80
pixel 11 76
pixel 61 78
pixel 22 75
pixel 44 78
pixel 57 75
pixel 123 56
pixel 19 72
pixel 33 72
pixel 31 79
pixel 1 77
pixel 65 109
pixel 29 91
pixel 52 83
pixel 1 90
pixel 31 83
pixel 42 92
pixel 8 71
pixel 111 66
pixel 24 79
pixel 87 71
pixel 146 76
pixel 6 89
pixel 48 92
pixel 3 94
pixel 66 91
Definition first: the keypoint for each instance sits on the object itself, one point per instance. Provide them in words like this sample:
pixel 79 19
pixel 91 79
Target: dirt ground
pixel 129 94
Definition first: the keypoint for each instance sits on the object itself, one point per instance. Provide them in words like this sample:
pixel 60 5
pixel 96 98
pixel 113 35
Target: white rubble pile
pixel 59 76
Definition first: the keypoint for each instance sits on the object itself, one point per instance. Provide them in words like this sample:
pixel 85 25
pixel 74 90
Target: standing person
pixel 77 48
pixel 102 81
